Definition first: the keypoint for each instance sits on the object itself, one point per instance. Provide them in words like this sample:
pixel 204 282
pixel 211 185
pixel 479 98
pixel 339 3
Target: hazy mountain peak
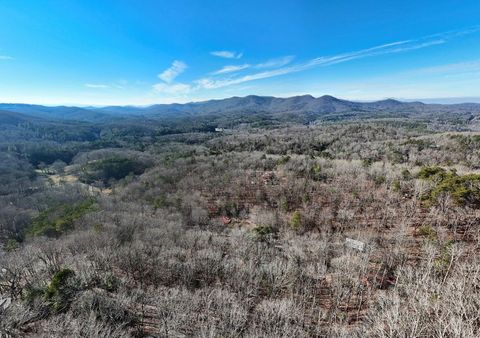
pixel 390 101
pixel 329 98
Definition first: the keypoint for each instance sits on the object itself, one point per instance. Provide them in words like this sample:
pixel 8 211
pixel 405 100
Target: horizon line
pixel 432 100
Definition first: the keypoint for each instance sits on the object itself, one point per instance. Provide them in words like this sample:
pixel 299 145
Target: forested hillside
pixel 300 109
pixel 341 223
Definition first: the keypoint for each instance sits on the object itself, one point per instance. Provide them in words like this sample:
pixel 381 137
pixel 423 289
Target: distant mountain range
pixel 58 112
pixel 306 104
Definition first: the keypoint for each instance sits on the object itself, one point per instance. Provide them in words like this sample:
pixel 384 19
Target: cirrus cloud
pixel 172 89
pixel 323 61
pixel 277 62
pixel 231 75
pixel 231 69
pixel 169 74
pixel 226 54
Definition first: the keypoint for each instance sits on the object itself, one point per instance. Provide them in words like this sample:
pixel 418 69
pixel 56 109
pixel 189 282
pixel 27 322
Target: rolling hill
pixel 272 106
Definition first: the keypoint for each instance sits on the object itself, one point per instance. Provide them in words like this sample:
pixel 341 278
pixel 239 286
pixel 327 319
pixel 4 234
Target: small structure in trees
pixel 354 244
pixel 5 303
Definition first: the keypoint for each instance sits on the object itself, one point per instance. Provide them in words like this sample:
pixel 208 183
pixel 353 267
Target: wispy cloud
pixel 5 57
pixel 277 62
pixel 227 54
pixel 323 61
pixel 230 75
pixel 172 89
pixel 459 67
pixel 169 74
pixel 231 69
pixel 272 63
pixel 454 33
pixel 96 85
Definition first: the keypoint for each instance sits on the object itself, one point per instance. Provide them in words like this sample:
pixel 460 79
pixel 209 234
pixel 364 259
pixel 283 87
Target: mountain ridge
pixel 302 104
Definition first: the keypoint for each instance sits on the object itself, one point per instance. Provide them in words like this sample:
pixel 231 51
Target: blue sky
pixel 103 52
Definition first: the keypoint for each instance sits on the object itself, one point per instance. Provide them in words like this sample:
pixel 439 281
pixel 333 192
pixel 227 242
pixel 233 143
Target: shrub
pixel 427 231
pixel 367 162
pixel 406 175
pixel 443 261
pixel 464 190
pixel 296 221
pixel 317 174
pixel 428 173
pixel 111 168
pixel 262 232
pixel 59 292
pixel 30 294
pixel 379 179
pixel 396 186
pixel 420 144
pixel 11 245
pixel 283 160
pixel 57 220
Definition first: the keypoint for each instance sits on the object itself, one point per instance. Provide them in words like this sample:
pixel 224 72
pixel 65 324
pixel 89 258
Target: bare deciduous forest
pixel 346 226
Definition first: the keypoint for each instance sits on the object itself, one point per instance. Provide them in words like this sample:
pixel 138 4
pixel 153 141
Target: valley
pixel 355 225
